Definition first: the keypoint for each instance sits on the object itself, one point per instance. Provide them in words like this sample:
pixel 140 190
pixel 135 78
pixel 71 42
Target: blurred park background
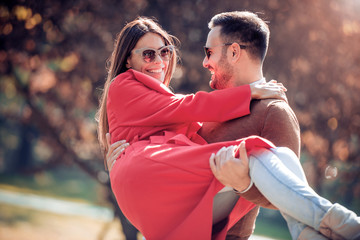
pixel 52 64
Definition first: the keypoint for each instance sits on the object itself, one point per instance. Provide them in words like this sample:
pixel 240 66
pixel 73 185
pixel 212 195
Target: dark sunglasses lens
pixel 207 52
pixel 166 52
pixel 149 55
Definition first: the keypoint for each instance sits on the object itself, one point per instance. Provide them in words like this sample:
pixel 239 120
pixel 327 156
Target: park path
pixel 55 205
pixel 65 207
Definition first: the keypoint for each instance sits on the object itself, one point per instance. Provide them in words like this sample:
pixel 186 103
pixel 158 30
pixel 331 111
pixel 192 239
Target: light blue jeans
pixel 278 175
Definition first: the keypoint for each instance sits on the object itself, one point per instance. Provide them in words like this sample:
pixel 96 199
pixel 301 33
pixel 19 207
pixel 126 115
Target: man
pixel 236 47
pixel 235 50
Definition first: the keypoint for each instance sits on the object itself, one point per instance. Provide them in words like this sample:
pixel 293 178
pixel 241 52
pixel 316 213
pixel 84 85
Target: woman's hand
pixel 231 171
pixel 114 150
pixel 270 89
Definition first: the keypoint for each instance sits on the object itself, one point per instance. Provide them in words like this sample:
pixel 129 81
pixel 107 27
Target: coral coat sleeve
pixel 136 99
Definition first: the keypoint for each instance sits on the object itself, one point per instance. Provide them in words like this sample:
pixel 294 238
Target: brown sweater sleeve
pixel 254 195
pixel 281 127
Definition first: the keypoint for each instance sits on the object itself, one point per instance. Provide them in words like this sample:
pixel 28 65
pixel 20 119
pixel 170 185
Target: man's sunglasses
pixel 149 54
pixel 207 49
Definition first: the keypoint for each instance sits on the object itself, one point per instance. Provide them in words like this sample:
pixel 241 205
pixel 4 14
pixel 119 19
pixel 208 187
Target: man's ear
pixel 235 52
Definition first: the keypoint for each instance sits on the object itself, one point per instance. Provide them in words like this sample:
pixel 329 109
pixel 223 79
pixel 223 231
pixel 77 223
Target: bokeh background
pixel 52 64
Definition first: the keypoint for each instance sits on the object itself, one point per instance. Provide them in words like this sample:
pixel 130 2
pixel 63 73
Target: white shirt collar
pixel 262 80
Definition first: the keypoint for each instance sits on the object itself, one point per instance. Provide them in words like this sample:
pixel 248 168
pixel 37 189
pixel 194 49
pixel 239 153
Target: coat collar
pixel 148 81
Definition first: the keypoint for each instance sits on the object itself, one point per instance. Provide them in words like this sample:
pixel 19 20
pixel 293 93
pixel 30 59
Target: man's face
pixel 217 62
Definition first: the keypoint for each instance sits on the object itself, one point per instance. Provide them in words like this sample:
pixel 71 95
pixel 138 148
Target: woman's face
pixel 144 60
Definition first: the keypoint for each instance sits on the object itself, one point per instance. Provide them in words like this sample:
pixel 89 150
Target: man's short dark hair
pixel 244 28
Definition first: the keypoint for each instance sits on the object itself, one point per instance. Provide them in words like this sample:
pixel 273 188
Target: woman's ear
pixel 128 65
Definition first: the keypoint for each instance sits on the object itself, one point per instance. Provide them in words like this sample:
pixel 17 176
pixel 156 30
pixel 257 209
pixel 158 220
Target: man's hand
pixel 114 150
pixel 231 171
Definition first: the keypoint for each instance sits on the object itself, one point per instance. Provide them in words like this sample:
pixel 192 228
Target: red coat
pixel 163 182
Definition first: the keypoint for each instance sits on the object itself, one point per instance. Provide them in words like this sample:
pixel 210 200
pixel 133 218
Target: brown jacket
pixel 271 119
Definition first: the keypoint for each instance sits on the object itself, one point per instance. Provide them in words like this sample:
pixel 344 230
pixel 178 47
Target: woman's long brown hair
pixel 124 44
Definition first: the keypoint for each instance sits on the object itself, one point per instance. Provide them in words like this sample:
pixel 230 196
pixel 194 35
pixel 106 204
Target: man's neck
pixel 248 74
pixel 250 80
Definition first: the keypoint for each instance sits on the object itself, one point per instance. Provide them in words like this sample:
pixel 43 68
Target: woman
pixel 163 182
pixel 161 188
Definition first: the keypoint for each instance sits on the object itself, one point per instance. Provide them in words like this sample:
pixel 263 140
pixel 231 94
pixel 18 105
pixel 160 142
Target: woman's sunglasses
pixel 149 54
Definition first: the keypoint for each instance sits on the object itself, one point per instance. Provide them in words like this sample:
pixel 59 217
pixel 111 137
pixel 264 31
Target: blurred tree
pixel 53 57
pixel 317 43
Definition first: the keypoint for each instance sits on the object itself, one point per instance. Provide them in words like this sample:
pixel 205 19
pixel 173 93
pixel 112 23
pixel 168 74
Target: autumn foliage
pixel 53 57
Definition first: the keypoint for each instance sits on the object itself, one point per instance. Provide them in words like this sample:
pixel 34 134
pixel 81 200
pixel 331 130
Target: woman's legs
pixel 283 183
pixel 297 229
pixel 285 189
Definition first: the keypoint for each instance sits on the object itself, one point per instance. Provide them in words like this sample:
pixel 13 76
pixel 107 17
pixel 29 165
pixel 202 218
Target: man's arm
pixel 281 127
pixel 271 119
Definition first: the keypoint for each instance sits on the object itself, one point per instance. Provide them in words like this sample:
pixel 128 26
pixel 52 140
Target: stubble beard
pixel 225 73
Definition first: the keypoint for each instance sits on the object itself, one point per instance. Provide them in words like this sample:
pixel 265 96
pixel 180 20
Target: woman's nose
pixel 158 59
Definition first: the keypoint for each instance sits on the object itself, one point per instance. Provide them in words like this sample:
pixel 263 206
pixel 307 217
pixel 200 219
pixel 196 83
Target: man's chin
pixel 212 84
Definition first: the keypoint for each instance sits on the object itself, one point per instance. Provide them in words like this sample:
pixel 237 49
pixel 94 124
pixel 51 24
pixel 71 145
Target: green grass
pixel 67 183
pixel 270 223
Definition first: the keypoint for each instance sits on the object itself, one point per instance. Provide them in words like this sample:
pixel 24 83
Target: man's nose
pixel 205 62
